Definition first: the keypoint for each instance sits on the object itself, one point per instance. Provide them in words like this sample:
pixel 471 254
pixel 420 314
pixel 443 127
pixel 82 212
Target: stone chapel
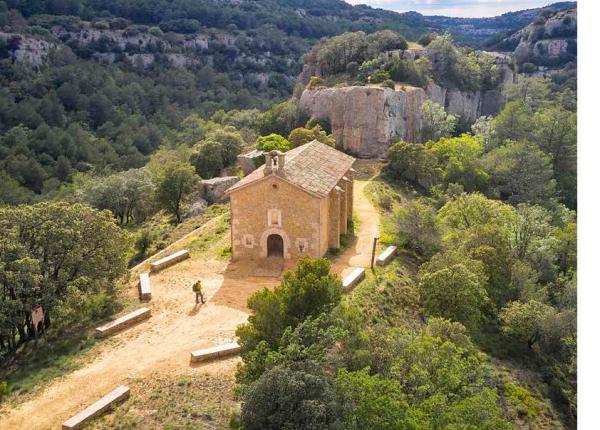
pixel 298 203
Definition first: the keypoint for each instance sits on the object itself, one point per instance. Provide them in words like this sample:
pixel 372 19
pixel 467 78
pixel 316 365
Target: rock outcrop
pixel 549 41
pixel 364 119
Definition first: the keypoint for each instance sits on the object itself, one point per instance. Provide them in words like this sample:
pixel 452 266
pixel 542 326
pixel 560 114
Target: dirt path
pixel 358 252
pixel 162 344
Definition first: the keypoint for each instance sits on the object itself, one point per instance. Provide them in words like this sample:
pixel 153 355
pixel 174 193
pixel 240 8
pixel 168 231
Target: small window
pixel 302 245
pixel 274 218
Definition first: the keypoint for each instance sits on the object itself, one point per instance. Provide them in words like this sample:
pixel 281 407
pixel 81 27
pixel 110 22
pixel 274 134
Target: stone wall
pixel 250 161
pixel 213 190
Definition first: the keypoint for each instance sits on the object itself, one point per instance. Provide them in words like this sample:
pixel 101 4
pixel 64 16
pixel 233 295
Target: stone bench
pixel 218 351
pixel 169 260
pixel 386 256
pixel 78 420
pixel 145 291
pixel 123 322
pixel 353 278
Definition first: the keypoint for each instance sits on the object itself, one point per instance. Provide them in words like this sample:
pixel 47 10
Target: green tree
pixel 273 142
pixel 413 163
pixel 305 292
pixel 459 156
pixel 436 123
pixel 282 118
pixel 291 399
pixel 371 402
pixel 525 321
pixel 453 286
pixel 50 252
pixel 416 227
pixel 471 210
pixel 555 132
pixel 230 141
pixel 512 123
pixel 520 172
pixel 533 91
pixel 174 182
pixel 207 159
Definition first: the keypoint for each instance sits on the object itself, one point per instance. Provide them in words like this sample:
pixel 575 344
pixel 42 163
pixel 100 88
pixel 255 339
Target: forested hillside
pixel 481 31
pixel 97 85
pixel 112 111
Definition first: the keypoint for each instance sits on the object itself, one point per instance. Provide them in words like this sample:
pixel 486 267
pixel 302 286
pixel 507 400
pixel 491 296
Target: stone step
pixel 169 260
pixel 145 291
pixel 123 322
pixel 218 351
pixel 386 256
pixel 79 419
pixel 354 278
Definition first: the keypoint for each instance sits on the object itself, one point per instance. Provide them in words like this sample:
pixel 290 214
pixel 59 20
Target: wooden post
pixel 373 252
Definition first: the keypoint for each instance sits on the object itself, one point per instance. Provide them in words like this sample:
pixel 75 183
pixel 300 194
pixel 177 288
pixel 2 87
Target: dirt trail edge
pixel 163 343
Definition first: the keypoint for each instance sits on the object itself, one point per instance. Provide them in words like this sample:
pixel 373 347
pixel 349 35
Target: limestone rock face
pixel 550 42
pixel 365 119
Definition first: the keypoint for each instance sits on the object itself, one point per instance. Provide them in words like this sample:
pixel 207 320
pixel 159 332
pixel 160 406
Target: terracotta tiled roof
pixel 314 167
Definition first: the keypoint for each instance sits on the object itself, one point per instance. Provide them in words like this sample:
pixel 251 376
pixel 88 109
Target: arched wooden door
pixel 274 246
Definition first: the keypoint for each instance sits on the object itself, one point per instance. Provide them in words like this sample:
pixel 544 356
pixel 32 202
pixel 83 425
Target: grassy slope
pixel 184 402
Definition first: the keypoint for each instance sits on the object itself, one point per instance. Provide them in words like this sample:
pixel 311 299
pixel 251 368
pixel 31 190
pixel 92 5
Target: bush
pixel 379 76
pixel 426 39
pixel 416 228
pixel 315 82
pixel 453 286
pixel 291 399
pixel 155 31
pixel 389 84
pixel 522 400
pixel 305 292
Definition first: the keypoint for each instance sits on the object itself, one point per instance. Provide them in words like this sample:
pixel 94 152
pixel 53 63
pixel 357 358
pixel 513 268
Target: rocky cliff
pixel 364 119
pixel 549 41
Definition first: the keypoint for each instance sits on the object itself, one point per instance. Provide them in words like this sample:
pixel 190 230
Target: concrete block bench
pixel 218 351
pixel 169 260
pixel 386 256
pixel 78 420
pixel 145 291
pixel 353 278
pixel 123 322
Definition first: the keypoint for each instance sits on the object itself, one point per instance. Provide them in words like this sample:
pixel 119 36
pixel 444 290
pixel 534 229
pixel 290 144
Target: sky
pixel 463 8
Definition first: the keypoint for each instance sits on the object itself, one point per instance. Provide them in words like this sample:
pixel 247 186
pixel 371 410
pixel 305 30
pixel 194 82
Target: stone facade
pixel 274 213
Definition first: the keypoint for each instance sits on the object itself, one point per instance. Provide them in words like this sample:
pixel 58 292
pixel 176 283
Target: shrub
pixel 426 39
pixel 416 228
pixel 379 76
pixel 291 399
pixel 389 84
pixel 307 291
pixel 315 82
pixel 522 399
